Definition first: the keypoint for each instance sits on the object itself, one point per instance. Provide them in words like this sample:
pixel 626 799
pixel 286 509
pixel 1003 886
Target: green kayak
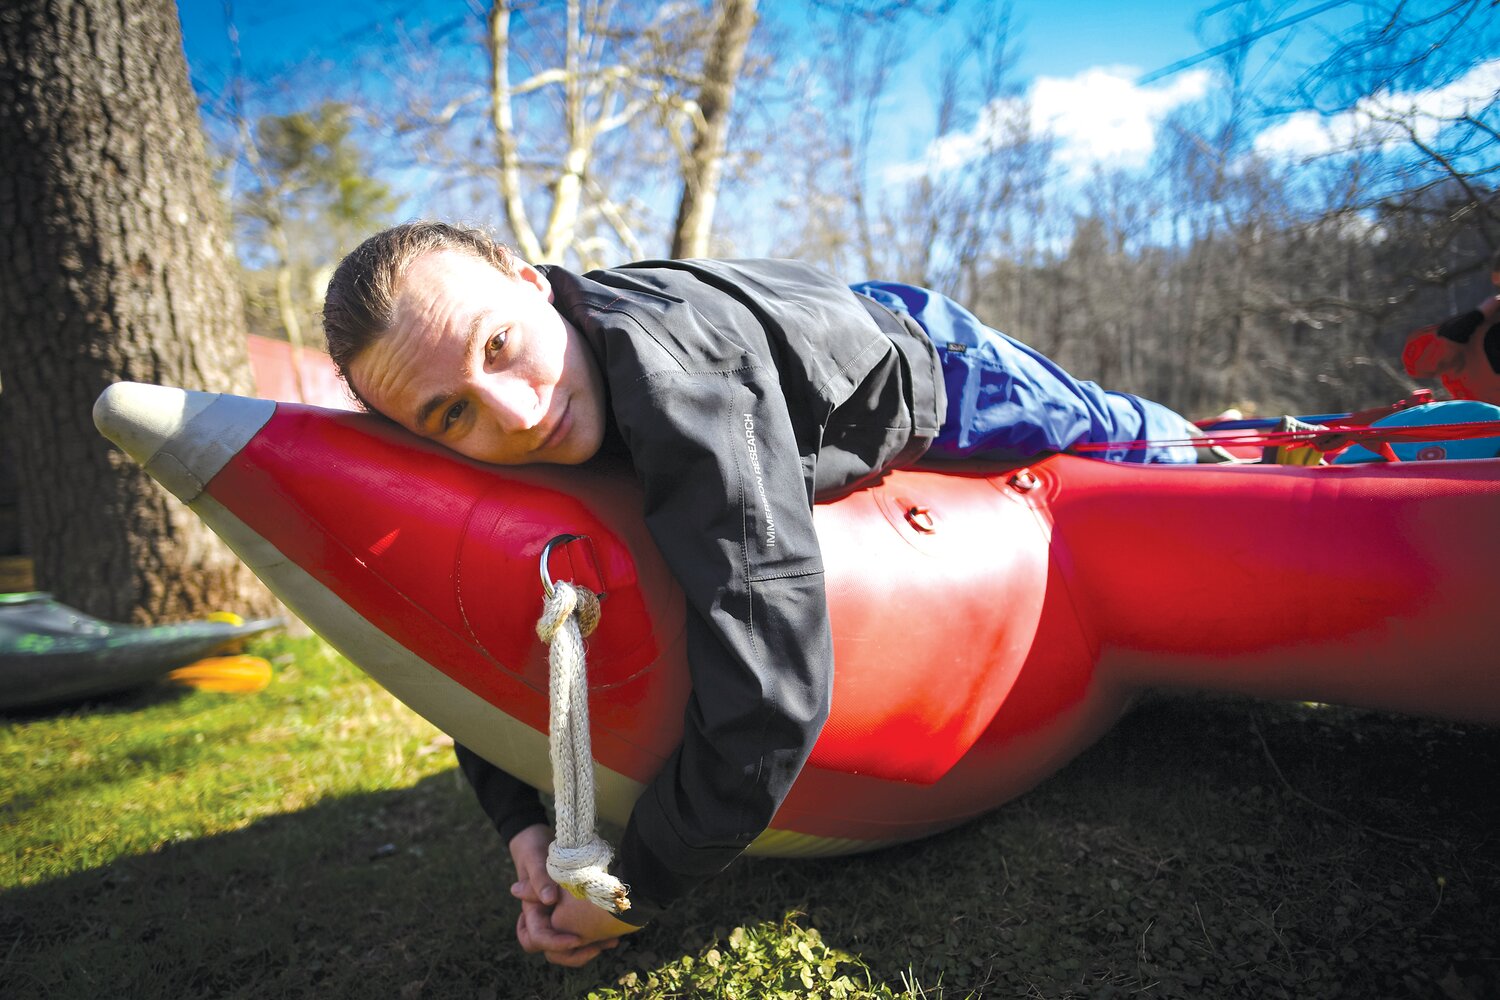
pixel 52 653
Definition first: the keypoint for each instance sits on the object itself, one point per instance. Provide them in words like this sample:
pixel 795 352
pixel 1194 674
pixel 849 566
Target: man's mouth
pixel 559 432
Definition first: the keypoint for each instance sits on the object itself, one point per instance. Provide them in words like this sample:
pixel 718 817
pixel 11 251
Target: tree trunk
pixel 702 172
pixel 114 264
pixel 502 119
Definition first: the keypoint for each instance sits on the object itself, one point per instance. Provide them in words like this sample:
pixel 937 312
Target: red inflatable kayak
pixel 988 625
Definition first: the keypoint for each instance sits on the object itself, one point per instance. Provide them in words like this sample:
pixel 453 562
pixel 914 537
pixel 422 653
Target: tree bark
pixel 705 167
pixel 114 264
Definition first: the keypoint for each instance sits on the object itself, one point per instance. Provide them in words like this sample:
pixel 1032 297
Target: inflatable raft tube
pixel 988 625
pixel 51 653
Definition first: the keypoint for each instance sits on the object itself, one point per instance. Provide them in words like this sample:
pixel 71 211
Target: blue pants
pixel 1007 402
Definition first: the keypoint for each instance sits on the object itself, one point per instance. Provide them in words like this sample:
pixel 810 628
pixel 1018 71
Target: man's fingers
pixel 537 887
pixel 528 850
pixel 574 957
pixel 542 884
pixel 536 932
pixel 531 942
pixel 564 949
pixel 523 936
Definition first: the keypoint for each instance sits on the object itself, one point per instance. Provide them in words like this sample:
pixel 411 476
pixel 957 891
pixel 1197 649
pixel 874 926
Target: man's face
pixel 481 362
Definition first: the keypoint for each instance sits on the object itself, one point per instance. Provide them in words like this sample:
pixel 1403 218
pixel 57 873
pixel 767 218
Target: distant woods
pixel 589 132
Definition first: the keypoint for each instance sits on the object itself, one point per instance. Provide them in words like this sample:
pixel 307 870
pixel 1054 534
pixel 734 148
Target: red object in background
pixel 1464 369
pixel 979 648
pixel 296 374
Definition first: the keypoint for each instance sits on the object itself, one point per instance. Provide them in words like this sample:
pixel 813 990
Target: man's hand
pixel 589 922
pixel 566 930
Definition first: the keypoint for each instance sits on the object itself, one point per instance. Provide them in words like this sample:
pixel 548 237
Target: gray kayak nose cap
pixel 182 438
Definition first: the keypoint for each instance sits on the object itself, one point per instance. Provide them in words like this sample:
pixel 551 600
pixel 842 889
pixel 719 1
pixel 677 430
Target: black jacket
pixel 1461 328
pixel 742 391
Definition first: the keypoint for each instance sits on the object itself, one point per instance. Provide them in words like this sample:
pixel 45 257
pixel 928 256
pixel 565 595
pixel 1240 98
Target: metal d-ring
pixel 547 587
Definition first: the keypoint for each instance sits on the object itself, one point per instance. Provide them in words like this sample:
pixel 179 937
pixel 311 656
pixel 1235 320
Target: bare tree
pixel 704 166
pixel 985 170
pixel 835 209
pixel 612 73
pixel 1370 73
pixel 1398 208
pixel 115 264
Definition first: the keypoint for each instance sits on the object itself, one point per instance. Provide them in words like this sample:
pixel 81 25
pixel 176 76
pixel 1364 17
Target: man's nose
pixel 513 402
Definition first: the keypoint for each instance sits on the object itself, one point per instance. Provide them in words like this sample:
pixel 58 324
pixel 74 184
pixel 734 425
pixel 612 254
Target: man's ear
pixel 534 277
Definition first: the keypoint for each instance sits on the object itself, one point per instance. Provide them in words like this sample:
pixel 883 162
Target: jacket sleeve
pixel 729 507
pixel 511 804
pixel 1460 328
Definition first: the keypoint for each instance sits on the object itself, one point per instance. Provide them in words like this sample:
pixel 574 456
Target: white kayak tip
pixel 141 418
pixel 180 436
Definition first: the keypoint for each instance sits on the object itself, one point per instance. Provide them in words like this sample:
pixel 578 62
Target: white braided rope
pixel 578 859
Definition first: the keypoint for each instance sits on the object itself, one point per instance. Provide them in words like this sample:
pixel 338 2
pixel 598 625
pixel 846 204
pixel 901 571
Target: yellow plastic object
pixel 226 674
pixel 1298 454
pixel 1294 454
pixel 231 647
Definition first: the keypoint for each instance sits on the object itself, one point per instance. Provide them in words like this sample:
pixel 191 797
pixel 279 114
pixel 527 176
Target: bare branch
pixel 505 139
pixel 612 214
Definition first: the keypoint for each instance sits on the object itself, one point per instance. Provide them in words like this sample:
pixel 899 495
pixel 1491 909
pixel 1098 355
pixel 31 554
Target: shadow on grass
pixel 131 699
pixel 1171 860
pixel 366 895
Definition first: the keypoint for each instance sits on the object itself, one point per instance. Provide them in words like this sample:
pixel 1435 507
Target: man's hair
pixel 1495 262
pixel 360 304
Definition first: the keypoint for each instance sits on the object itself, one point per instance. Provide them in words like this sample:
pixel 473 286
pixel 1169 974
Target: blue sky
pixel 1078 57
pixel 1080 67
pixel 1058 38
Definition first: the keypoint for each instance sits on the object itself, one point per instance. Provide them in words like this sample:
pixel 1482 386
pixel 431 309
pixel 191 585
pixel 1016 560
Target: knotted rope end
pixel 584 872
pixel 618 901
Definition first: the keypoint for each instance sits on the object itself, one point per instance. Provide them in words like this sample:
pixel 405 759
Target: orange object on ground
pixel 225 674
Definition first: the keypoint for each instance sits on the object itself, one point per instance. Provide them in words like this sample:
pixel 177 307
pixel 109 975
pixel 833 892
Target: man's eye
pixel 452 414
pixel 496 343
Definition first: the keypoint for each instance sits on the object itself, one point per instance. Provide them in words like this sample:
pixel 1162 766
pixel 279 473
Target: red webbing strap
pixel 1324 439
pixel 1419 397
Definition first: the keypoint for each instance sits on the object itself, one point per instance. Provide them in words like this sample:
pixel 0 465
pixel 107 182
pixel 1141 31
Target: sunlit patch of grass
pixel 764 961
pixel 95 783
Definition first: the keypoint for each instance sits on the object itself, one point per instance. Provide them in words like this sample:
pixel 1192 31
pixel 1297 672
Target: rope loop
pixel 578 859
pixel 568 600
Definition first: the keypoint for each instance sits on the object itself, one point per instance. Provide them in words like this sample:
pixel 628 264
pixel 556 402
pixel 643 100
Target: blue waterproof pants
pixel 1007 402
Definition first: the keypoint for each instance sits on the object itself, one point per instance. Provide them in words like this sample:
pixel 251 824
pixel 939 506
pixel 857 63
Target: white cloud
pixel 1383 119
pixel 1102 116
pixel 997 121
pixel 1097 116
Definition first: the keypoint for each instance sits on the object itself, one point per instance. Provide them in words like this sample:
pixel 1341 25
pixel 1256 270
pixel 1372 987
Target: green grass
pixel 314 840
